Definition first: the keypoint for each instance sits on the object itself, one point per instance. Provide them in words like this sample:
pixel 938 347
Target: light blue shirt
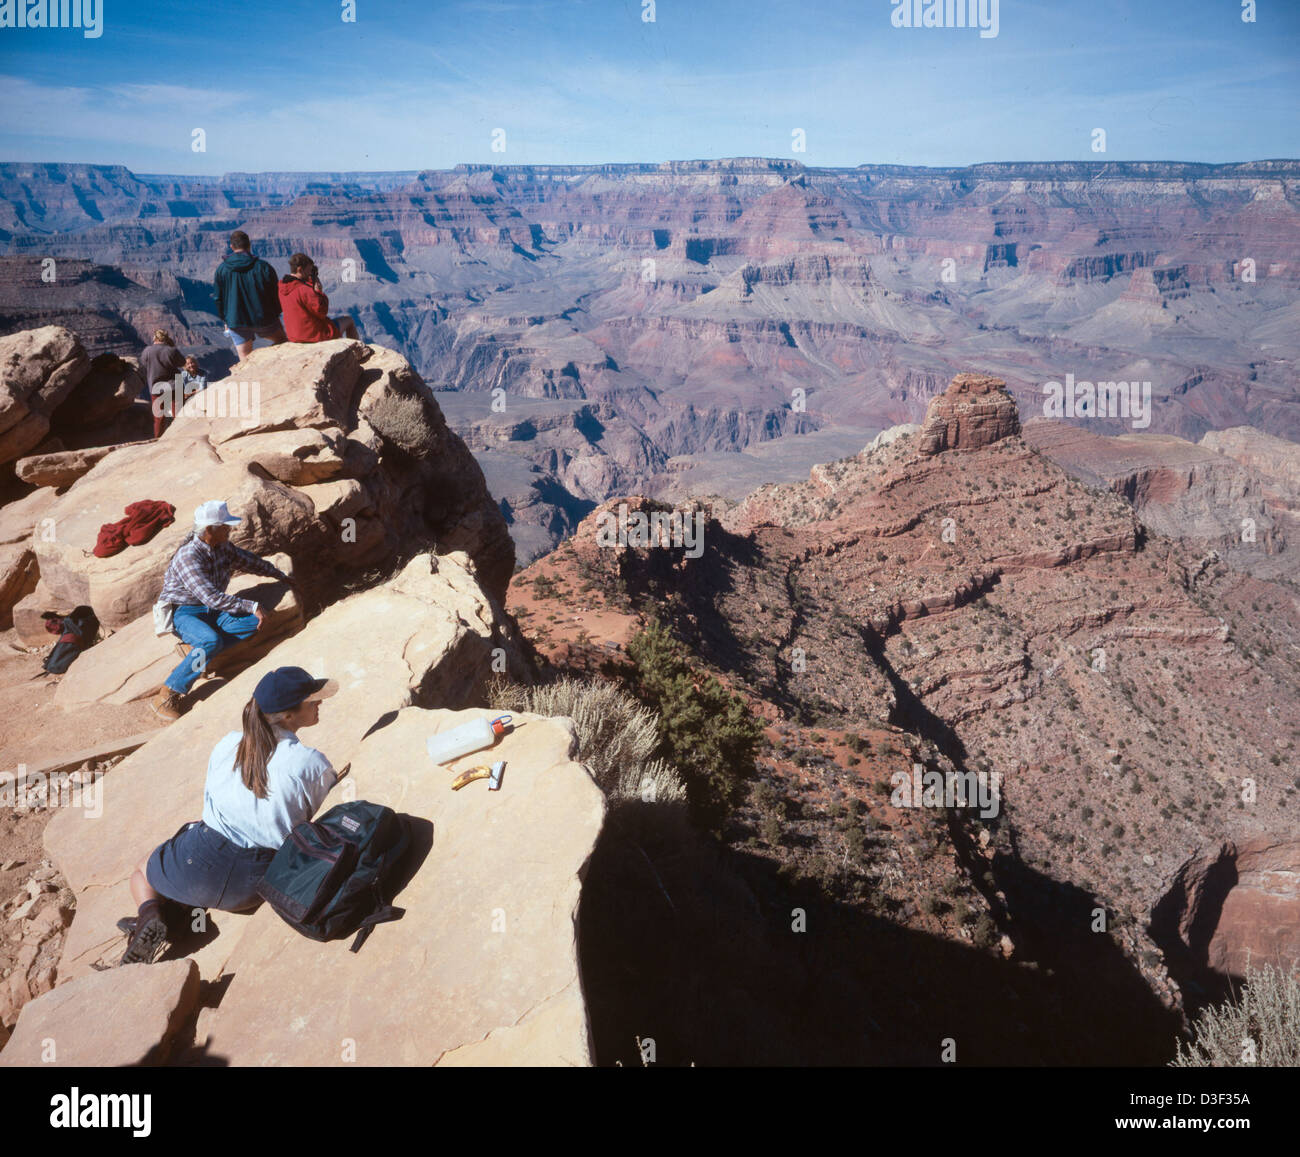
pixel 298 778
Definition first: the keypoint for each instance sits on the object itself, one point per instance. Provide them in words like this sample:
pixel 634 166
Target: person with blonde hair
pixel 161 362
pixel 262 782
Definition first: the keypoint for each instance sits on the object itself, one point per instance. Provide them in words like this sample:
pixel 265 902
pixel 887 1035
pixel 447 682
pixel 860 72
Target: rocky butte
pixel 951 603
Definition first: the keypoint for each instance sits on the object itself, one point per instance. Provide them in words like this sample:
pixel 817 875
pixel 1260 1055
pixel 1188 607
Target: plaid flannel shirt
pixel 199 573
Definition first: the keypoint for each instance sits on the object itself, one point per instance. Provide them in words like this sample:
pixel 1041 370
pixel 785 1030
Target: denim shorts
pixel 200 868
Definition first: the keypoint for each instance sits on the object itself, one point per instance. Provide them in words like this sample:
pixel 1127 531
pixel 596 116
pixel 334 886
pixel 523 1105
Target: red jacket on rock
pixel 305 317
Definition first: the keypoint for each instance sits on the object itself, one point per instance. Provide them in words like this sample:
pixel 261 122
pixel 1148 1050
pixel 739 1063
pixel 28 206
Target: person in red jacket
pixel 305 306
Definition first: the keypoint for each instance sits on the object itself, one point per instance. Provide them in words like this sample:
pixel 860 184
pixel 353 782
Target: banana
pixel 470 776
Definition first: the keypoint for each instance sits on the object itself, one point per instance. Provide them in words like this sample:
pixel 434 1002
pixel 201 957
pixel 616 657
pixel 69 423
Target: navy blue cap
pixel 286 687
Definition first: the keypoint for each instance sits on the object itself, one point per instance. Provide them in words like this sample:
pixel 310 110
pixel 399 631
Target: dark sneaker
pixel 146 941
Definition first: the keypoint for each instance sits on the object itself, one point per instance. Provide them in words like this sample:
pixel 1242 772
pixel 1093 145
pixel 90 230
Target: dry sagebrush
pixel 615 734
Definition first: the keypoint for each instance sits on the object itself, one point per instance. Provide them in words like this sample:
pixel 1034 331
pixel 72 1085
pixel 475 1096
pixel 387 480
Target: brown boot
pixel 167 704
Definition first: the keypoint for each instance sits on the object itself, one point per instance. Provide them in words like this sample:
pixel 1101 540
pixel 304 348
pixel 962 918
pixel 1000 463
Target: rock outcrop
pixel 129 1016
pixel 483 966
pixel 974 411
pixel 60 469
pixel 482 969
pixel 39 368
pixel 1260 918
pixel 292 448
pixel 112 385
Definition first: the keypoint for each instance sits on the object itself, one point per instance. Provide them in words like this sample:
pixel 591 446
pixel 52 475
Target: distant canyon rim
pixel 702 327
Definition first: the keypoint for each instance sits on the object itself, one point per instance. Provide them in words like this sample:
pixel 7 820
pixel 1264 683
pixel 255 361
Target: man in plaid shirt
pixel 205 616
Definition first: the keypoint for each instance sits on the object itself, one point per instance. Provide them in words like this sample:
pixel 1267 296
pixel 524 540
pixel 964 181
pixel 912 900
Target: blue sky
pixel 288 85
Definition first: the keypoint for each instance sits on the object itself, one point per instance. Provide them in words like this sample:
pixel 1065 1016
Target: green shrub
pixel 708 734
pixel 771 831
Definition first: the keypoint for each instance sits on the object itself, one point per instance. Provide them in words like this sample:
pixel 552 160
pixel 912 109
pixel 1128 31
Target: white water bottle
pixel 472 736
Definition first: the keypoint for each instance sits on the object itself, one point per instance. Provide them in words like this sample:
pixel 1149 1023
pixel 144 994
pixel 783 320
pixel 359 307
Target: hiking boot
pixel 146 941
pixel 167 704
pixel 127 924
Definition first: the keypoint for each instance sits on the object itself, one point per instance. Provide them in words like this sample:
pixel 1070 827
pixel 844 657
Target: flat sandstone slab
pixel 427 629
pixel 126 1016
pixel 483 966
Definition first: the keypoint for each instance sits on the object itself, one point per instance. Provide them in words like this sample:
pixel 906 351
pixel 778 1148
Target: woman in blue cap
pixel 261 782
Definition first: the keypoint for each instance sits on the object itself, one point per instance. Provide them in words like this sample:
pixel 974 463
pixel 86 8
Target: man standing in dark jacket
pixel 248 299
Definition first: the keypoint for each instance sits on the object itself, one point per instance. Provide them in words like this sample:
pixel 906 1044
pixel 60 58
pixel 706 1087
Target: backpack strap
pixel 379 916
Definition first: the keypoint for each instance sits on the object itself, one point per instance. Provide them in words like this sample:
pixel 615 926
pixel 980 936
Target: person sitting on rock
pixel 205 616
pixel 161 362
pixel 306 308
pixel 262 781
pixel 246 298
pixel 192 378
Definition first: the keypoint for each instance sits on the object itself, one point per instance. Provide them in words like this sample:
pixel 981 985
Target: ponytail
pixel 256 746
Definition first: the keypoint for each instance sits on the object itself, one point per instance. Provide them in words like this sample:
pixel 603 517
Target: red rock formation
pixel 1260 918
pixel 974 411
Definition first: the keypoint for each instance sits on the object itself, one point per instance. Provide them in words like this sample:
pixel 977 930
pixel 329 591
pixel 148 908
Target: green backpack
pixel 332 876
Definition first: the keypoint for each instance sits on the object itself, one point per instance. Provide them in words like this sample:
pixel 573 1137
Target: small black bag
pixel 332 876
pixel 83 625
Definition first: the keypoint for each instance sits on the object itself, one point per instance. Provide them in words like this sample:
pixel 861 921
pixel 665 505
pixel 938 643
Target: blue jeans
pixel 207 632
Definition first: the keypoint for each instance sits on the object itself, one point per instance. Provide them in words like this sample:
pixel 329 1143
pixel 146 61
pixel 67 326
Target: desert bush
pixel 401 420
pixel 708 734
pixel 616 735
pixel 1266 1013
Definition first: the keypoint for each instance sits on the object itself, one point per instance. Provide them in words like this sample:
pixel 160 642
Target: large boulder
pixel 975 410
pixel 425 637
pixel 60 469
pixel 110 387
pixel 181 470
pixel 128 1016
pixel 289 446
pixel 39 368
pixel 483 966
pixel 28 624
pixel 1260 919
pixel 18 579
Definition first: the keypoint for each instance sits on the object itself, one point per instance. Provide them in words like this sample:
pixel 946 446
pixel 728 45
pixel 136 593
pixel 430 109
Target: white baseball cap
pixel 214 513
